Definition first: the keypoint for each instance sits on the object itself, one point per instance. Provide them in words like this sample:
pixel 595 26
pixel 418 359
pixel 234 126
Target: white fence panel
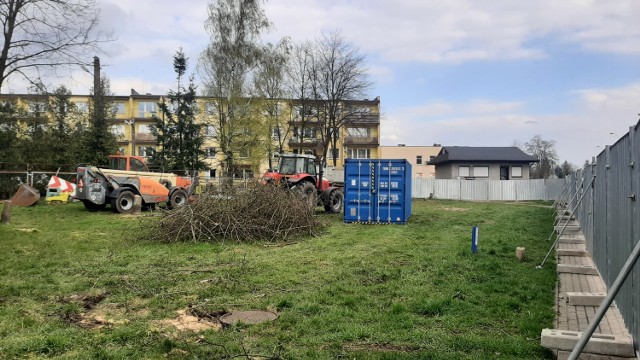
pixel 422 188
pixel 474 190
pixel 446 189
pixel 494 190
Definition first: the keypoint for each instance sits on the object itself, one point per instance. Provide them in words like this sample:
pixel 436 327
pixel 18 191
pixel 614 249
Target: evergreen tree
pixel 33 145
pixel 8 135
pixel 58 137
pixel 100 142
pixel 178 137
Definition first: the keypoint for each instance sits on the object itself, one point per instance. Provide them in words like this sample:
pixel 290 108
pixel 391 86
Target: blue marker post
pixel 474 240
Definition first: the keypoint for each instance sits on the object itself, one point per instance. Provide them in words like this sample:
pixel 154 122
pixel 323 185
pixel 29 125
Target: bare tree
pixel 545 151
pixel 42 36
pixel 227 68
pixel 301 78
pixel 339 74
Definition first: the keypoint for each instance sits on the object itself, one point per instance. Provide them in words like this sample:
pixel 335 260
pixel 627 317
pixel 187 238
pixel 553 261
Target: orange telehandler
pixel 127 177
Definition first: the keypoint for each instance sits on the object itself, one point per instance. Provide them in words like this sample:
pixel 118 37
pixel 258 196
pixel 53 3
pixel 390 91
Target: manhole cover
pixel 248 317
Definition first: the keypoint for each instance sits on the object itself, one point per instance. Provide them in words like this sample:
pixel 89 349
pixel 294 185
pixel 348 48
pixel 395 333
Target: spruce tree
pixel 100 142
pixel 178 136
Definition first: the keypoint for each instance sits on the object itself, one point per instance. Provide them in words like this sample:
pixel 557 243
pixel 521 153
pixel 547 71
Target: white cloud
pixel 463 30
pixel 595 115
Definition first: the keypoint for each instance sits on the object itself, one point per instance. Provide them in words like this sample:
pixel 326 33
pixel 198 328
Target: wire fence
pixel 609 217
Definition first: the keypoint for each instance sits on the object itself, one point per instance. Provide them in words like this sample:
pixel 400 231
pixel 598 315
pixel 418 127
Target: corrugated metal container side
pixel 377 191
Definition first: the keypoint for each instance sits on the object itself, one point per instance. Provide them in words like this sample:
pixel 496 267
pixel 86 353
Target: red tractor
pixel 298 172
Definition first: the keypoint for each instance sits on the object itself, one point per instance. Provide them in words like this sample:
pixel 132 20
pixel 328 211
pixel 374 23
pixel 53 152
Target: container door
pixel 390 192
pixel 359 191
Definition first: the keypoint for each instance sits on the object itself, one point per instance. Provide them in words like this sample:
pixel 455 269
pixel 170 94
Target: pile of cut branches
pixel 259 213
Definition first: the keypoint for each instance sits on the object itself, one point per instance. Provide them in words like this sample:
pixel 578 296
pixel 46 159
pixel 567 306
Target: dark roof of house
pixel 471 153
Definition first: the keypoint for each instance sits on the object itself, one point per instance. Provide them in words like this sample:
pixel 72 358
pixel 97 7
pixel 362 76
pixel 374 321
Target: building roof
pixel 477 154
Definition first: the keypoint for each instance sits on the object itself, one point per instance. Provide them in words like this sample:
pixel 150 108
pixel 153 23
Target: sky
pixel 455 72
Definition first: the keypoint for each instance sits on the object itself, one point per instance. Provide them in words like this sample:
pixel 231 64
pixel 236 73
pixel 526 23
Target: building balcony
pixel 364 119
pixel 121 139
pixel 150 138
pixel 358 140
pixel 296 141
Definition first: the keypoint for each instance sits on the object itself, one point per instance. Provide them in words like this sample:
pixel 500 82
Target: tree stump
pixel 520 253
pixel 137 205
pixel 5 218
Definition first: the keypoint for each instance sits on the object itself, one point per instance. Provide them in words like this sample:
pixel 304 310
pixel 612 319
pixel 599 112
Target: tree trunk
pixel 5 218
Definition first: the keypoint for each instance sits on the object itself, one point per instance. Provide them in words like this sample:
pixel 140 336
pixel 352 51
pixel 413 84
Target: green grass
pixel 358 291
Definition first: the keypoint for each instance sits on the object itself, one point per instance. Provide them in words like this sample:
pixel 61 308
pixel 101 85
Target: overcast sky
pixel 455 72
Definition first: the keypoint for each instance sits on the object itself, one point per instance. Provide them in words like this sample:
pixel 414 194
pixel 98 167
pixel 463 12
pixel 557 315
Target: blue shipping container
pixel 377 191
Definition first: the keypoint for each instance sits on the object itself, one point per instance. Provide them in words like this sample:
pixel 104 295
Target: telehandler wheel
pixel 92 206
pixel 123 204
pixel 178 198
pixel 334 203
pixel 308 191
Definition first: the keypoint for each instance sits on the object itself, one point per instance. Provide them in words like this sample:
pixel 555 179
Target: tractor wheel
pixel 334 203
pixel 93 206
pixel 308 191
pixel 123 204
pixel 177 199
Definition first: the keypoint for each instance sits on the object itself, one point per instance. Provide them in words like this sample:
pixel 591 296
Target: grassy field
pixel 77 285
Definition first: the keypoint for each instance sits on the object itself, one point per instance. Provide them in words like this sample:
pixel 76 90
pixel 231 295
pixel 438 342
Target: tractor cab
pixel 293 168
pixel 127 163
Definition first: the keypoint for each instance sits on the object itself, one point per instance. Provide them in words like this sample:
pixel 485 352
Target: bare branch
pixel 47 35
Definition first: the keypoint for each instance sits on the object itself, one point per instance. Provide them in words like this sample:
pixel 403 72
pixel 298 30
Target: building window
pixel 212 173
pixel 117 130
pixel 209 130
pixel 117 108
pixel 273 110
pixel 309 133
pixel 300 111
pixel 121 151
pixel 211 108
pixel 276 132
pixel 481 171
pixel 82 107
pixel 419 160
pixel 359 153
pixel 243 153
pixel 146 108
pixel 516 171
pixel 431 158
pixel 144 129
pixel 36 107
pixel 145 151
pixel 463 171
pixel 210 152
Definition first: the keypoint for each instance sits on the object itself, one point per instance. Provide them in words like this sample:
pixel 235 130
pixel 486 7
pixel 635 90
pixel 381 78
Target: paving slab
pixel 576 269
pixel 605 344
pixel 572 252
pixel 564 355
pixel 577 275
pixel 585 299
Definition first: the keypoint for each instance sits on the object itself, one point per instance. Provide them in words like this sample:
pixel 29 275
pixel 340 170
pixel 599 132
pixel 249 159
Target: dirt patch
pixel 91 318
pixel 379 347
pixel 87 301
pixel 194 319
pixel 454 209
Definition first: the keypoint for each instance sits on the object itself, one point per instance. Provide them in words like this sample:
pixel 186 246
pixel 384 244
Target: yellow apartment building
pixel 133 120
